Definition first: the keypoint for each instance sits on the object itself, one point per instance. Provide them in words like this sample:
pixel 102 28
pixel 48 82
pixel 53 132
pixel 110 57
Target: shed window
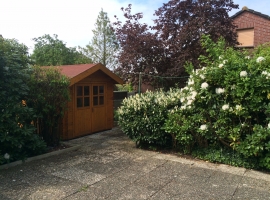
pixel 245 37
pixel 98 95
pixel 83 96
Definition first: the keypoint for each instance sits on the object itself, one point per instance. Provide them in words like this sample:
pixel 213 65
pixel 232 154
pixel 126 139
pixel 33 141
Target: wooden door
pixel 98 107
pixel 83 110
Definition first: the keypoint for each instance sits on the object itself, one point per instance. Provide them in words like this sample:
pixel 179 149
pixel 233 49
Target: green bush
pixel 226 102
pixel 49 101
pixel 125 87
pixel 17 139
pixel 142 116
pixel 227 156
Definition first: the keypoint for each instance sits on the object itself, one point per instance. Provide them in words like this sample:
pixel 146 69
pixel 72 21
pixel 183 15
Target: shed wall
pixel 68 126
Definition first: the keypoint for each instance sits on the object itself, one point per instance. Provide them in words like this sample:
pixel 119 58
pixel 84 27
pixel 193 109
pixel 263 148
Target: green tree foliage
pixel 80 56
pixel 49 101
pixel 17 138
pixel 104 46
pixel 51 51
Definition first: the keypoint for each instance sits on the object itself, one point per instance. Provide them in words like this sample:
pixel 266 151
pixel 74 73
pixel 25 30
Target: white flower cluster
pixel 223 62
pixel 203 127
pixel 190 82
pixel 238 107
pixel 243 74
pixel 204 85
pixel 220 90
pixel 260 59
pixel 6 156
pixel 199 71
pixel 202 76
pixel 189 96
pixel 267 74
pixel 220 65
pixel 225 107
pixel 148 99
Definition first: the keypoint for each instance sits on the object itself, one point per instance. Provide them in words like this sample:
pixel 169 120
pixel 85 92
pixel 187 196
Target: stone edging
pixel 19 162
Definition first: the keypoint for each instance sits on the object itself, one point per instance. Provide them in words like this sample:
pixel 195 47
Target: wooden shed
pixel 91 107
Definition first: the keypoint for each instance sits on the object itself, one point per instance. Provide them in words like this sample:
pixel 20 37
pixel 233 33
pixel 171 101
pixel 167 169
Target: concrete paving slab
pixel 225 178
pixel 98 168
pixel 128 175
pixel 257 175
pixel 152 183
pixel 181 190
pixel 82 176
pixel 108 166
pixel 30 185
pixel 39 157
pixel 145 164
pixel 98 136
pixel 133 192
pixel 250 193
pixel 163 172
pixel 256 184
pixel 87 194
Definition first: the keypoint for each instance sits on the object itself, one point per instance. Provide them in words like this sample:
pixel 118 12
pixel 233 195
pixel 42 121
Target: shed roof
pixel 78 72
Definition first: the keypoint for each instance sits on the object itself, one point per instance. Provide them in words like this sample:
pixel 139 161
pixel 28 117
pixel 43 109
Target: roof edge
pixel 250 11
pixel 92 70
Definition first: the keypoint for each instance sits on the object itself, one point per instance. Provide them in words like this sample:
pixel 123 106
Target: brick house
pixel 253 28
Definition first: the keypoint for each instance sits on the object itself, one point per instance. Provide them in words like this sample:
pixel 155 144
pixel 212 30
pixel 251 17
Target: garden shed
pixel 91 106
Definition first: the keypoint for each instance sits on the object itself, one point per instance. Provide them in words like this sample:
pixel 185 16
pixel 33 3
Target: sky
pixel 74 20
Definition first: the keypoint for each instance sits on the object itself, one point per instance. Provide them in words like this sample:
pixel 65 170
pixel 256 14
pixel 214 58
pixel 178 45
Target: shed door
pixel 98 107
pixel 83 110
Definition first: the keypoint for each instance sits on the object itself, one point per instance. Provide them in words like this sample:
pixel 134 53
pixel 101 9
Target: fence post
pixel 140 82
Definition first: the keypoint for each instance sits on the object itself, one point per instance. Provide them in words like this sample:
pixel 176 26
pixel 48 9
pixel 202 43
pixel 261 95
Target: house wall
pixel 261 26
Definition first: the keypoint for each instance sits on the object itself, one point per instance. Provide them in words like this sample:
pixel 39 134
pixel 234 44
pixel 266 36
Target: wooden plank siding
pixel 80 121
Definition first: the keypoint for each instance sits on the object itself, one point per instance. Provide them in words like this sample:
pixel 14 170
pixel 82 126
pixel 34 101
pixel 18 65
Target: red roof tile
pixel 78 72
pixel 74 70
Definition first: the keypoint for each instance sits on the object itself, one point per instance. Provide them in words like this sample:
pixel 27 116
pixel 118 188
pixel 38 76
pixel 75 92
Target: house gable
pixel 253 28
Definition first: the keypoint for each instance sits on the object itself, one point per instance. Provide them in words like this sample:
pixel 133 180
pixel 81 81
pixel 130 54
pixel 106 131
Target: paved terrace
pixel 107 165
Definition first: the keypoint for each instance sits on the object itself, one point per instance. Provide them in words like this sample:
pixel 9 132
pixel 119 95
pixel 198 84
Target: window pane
pixel 86 90
pixel 79 102
pixel 101 100
pixel 79 91
pixel 101 89
pixel 95 102
pixel 95 90
pixel 86 101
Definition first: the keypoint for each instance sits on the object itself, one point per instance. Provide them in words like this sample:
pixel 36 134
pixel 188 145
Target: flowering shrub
pixel 226 102
pixel 142 116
